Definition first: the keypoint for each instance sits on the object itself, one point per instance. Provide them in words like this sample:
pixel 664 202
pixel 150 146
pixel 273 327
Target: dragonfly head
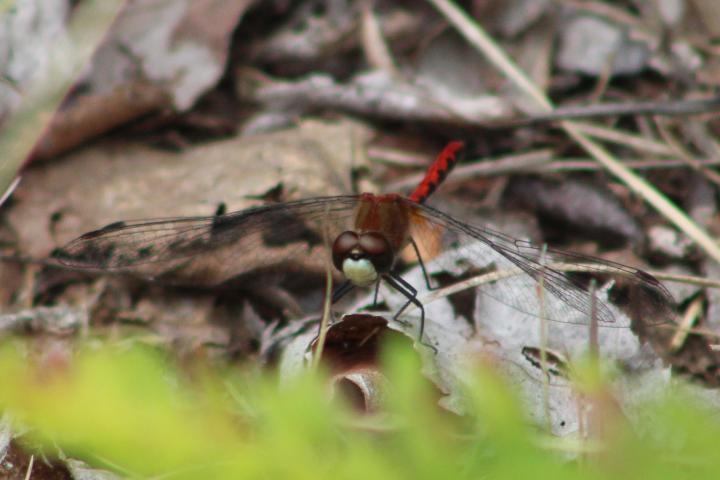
pixel 362 258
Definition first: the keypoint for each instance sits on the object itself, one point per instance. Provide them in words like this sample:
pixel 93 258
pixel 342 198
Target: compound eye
pixel 343 245
pixel 378 250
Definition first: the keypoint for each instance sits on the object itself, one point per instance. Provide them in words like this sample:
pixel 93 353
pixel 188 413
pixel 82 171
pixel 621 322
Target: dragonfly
pixel 371 236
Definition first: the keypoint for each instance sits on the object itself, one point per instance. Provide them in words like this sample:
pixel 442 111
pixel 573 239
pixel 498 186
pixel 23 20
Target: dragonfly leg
pixel 341 290
pixel 422 265
pixel 399 284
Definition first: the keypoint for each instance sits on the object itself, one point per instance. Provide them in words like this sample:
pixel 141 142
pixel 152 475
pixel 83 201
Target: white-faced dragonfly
pixel 368 234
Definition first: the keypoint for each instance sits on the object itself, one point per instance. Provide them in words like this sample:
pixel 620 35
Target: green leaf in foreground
pixel 131 411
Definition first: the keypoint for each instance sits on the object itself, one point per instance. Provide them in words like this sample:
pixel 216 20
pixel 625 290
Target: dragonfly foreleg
pixel 341 290
pixel 409 292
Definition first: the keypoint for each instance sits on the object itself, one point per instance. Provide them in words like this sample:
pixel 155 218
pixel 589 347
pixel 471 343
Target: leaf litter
pixel 308 61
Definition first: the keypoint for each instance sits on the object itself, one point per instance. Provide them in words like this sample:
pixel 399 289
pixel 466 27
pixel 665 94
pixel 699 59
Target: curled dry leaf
pixel 353 343
pixel 352 356
pixel 91 115
pixel 448 334
pixel 365 389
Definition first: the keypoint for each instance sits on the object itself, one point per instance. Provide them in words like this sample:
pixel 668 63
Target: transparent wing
pixel 215 248
pixel 517 269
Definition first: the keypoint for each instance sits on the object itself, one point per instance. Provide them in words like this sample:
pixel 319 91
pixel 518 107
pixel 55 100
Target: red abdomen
pixel 437 172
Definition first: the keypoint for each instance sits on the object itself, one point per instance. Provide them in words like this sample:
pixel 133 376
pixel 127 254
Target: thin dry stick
pixel 10 189
pixel 630 140
pixel 684 154
pixel 477 37
pixel 376 49
pixel 600 110
pixel 323 327
pixel 593 343
pixel 544 344
pixel 688 320
pixel 28 473
pixel 687 279
pixel 577 164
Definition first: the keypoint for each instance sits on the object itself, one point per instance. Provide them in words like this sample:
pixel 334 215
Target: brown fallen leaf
pixel 90 116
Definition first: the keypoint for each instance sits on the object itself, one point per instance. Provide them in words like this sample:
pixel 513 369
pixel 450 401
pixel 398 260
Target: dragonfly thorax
pixel 362 258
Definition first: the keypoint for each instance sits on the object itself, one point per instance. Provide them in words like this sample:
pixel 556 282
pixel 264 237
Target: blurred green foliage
pixel 133 411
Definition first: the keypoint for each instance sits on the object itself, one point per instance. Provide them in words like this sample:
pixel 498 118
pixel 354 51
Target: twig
pixel 28 473
pixel 577 164
pixel 5 435
pixel 691 316
pixel 544 344
pixel 325 320
pixel 10 189
pixel 687 279
pixel 375 46
pixel 477 37
pixel 540 161
pixel 601 110
pixel 684 154
pixel 593 343
pixel 375 94
pixel 626 139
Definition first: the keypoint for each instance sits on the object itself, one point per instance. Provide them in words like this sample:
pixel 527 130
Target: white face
pixel 360 272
